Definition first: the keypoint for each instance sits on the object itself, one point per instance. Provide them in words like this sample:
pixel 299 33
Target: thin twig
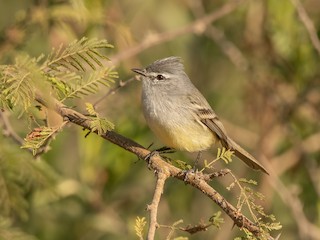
pixel 153 207
pixel 8 130
pixel 314 174
pixel 228 47
pixel 243 197
pixel 305 19
pixel 113 90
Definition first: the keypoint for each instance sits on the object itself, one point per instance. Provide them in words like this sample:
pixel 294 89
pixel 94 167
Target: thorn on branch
pixel 220 173
pixel 87 134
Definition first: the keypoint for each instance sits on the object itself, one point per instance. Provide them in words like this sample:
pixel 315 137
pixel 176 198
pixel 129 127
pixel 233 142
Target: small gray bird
pixel 179 115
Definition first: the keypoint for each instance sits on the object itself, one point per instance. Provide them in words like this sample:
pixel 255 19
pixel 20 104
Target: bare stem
pixel 8 130
pixel 153 207
pixel 113 90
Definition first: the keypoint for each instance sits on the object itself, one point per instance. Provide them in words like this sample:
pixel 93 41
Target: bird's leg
pixel 159 151
pixel 164 150
pixel 197 160
pixel 194 169
pixel 149 156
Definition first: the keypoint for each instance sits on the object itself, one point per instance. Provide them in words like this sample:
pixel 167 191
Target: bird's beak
pixel 139 71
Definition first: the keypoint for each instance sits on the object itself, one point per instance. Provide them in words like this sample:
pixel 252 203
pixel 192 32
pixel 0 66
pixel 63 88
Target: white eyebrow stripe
pixel 165 75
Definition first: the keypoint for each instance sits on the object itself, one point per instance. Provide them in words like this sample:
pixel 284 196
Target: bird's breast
pixel 175 125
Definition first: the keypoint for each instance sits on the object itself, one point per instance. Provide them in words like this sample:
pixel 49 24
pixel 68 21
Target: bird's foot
pixel 159 151
pixel 149 156
pixel 188 173
pixel 164 150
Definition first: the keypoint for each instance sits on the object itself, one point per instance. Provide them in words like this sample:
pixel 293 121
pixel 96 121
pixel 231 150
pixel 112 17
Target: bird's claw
pixel 186 173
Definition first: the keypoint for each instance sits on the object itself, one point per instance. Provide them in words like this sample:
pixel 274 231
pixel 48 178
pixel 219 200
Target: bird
pixel 179 114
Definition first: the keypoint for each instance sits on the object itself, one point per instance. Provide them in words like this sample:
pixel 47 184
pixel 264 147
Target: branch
pixel 227 47
pixel 153 207
pixel 197 180
pixel 196 27
pixel 305 19
pixel 8 130
pixel 306 229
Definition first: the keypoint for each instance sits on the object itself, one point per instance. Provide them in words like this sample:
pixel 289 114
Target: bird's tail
pixel 245 156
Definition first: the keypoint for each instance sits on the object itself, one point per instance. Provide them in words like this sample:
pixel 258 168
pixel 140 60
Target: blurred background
pixel 258 66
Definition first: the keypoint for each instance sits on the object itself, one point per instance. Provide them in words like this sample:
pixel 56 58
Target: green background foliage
pixel 256 66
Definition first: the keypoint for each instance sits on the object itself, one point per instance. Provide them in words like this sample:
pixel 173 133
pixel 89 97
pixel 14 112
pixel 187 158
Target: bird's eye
pixel 160 77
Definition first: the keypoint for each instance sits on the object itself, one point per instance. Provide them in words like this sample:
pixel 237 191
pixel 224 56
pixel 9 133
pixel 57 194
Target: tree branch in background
pixel 196 27
pixel 307 230
pixel 228 48
pixel 113 90
pixel 305 19
pixel 8 131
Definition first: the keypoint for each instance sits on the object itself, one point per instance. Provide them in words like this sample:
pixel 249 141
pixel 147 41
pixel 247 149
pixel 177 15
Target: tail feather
pixel 246 157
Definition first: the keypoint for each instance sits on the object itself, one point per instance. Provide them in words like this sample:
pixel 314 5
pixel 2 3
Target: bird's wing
pixel 209 118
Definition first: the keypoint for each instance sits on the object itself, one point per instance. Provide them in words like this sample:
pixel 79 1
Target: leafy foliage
pixel 101 125
pixel 18 82
pixel 18 174
pixel 72 72
pixel 248 198
pixel 67 69
pixel 86 84
pixel 64 74
pixel 76 55
pixel 222 154
pixel 8 232
pixel 216 219
pixel 39 137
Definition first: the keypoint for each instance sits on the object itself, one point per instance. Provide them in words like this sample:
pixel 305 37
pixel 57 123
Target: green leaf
pixel 18 174
pixel 250 181
pixel 225 154
pixel 101 125
pixel 38 137
pixel 8 232
pixel 78 56
pixel 18 82
pixel 88 84
pixel 216 219
pixel 90 109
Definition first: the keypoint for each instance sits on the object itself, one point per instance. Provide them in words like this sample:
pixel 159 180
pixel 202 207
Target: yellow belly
pixel 192 138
